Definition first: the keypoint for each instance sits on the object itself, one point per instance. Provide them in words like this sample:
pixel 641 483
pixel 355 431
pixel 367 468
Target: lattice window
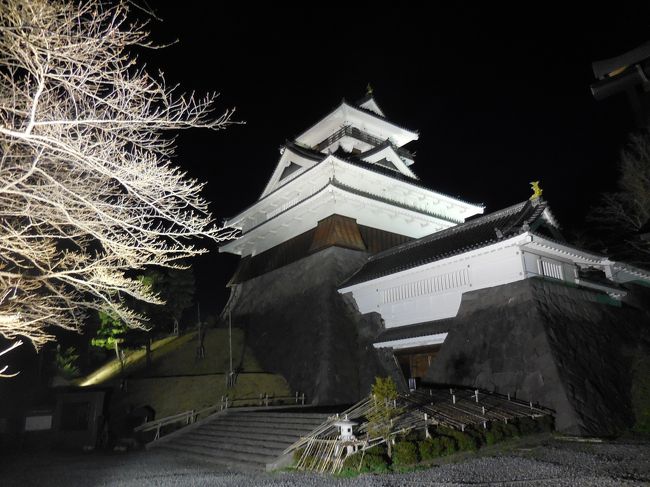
pixel 433 285
pixel 548 268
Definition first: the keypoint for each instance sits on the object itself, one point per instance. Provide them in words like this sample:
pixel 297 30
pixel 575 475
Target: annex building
pixel 351 268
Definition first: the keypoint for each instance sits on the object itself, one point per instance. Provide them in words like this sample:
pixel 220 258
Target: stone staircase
pixel 248 439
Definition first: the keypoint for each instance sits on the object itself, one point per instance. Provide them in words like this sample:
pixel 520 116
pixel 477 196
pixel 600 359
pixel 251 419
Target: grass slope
pixel 177 380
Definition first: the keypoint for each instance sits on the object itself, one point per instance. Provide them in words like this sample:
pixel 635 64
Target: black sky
pixel 500 96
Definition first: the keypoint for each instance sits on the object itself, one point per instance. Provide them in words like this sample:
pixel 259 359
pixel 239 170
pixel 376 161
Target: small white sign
pixel 38 423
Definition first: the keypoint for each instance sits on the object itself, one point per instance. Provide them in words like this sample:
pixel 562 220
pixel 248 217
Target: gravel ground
pixel 548 463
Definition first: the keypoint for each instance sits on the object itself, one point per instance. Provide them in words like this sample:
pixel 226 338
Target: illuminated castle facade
pixel 351 268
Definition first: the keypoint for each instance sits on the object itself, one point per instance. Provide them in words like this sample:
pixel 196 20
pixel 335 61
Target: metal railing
pixel 359 135
pixel 263 399
pixel 187 418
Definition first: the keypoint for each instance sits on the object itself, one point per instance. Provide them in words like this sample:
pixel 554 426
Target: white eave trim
pixel 565 250
pixel 403 136
pixel 421 341
pixel 411 214
pixel 516 240
pixel 332 160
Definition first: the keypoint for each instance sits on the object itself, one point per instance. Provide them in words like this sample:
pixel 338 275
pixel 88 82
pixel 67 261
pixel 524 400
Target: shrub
pixel 374 461
pixel 297 454
pixel 547 423
pixel 505 430
pixel 447 445
pixel 527 426
pixel 641 394
pixel 428 449
pixel 439 446
pixel 405 453
pixel 464 441
pixel 478 434
pixel 66 362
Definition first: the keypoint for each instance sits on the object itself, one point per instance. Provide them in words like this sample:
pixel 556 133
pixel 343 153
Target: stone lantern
pixel 346 426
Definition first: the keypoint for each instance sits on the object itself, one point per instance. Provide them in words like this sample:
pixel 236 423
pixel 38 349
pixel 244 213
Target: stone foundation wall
pixel 563 347
pixel 299 326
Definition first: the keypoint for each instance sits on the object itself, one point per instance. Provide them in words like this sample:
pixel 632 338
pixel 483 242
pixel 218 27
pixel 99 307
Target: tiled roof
pixel 355 159
pixel 352 161
pixel 475 233
pixel 337 184
pixel 304 151
pixel 363 110
pixel 413 331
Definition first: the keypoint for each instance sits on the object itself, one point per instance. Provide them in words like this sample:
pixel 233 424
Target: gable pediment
pixel 386 156
pixel 292 162
pixel 369 103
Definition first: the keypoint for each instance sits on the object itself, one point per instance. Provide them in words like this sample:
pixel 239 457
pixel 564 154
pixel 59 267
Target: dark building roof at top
pixel 304 151
pixel 473 234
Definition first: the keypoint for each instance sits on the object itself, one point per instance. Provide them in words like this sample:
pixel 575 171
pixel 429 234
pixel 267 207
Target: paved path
pixel 553 463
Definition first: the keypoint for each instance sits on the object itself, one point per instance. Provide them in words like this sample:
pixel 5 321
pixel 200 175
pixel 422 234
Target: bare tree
pixel 87 191
pixel 622 217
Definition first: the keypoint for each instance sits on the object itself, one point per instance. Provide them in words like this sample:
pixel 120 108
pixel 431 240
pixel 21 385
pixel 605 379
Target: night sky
pixel 499 97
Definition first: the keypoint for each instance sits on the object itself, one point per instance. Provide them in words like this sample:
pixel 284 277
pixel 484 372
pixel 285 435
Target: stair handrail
pixel 190 416
pixel 185 416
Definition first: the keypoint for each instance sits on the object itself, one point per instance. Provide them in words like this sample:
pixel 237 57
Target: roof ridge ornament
pixel 369 90
pixel 537 192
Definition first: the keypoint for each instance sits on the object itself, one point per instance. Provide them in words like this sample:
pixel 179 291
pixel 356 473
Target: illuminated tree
pixel 87 191
pixel 384 410
pixel 623 216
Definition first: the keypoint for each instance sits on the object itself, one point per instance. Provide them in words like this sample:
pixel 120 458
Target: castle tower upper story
pixel 351 163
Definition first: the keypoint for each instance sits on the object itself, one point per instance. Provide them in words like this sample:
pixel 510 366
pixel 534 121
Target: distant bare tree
pixel 87 191
pixel 622 216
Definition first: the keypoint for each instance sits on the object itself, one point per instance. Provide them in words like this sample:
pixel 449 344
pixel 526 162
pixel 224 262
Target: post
pixel 453 399
pixel 230 338
pixel 476 392
pixel 266 400
pixel 296 397
pixel 303 398
pixel 148 352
